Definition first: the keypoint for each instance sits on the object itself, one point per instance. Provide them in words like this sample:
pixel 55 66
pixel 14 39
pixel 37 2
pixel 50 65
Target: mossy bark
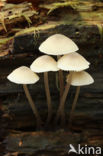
pixel 19 46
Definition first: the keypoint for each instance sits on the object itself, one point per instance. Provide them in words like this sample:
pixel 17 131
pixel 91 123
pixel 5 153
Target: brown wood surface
pixel 82 22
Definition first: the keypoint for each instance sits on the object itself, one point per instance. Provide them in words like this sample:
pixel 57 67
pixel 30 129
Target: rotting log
pixel 83 24
pixel 12 14
pixel 22 47
pixel 90 101
pixel 74 20
pixel 84 131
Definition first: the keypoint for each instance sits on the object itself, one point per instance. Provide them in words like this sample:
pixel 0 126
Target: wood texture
pixel 81 22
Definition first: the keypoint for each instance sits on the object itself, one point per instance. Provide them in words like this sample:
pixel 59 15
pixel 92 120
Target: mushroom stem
pixel 61 111
pixel 74 104
pixel 61 81
pixel 35 111
pixel 47 90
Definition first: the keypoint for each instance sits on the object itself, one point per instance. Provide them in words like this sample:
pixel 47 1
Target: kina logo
pixel 85 150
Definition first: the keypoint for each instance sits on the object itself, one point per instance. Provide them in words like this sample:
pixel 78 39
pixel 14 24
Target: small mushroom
pixel 58 44
pixel 44 64
pixel 23 75
pixel 70 62
pixel 78 79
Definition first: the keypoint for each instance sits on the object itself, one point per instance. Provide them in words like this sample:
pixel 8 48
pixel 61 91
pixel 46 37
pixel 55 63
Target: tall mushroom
pixel 58 44
pixel 23 75
pixel 44 64
pixel 70 62
pixel 78 79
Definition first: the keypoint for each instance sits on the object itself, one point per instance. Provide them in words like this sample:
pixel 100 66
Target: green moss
pixel 54 6
pixel 4 41
pixel 83 15
pixel 2 20
pixel 36 29
pixel 100 28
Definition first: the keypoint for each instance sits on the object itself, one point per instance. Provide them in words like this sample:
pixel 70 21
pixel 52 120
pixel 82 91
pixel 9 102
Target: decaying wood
pixel 83 132
pixel 11 14
pixel 89 103
pixel 75 19
pixel 26 29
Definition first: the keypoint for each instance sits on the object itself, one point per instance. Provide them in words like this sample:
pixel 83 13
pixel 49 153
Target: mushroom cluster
pixel 67 60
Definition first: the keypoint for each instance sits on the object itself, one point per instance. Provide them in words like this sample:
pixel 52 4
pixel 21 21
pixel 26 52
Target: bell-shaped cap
pixel 80 79
pixel 58 44
pixel 44 63
pixel 73 62
pixel 23 75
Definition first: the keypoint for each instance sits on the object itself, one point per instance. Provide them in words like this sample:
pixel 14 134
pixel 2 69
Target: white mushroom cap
pixel 58 44
pixel 73 62
pixel 80 78
pixel 23 75
pixel 44 63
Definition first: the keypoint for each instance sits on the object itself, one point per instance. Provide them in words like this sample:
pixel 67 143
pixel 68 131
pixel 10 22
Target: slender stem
pixel 60 111
pixel 61 83
pixel 35 111
pixel 61 80
pixel 47 90
pixel 74 104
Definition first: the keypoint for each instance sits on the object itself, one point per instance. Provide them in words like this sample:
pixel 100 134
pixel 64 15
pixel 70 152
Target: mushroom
pixel 58 44
pixel 78 79
pixel 23 75
pixel 45 64
pixel 70 62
